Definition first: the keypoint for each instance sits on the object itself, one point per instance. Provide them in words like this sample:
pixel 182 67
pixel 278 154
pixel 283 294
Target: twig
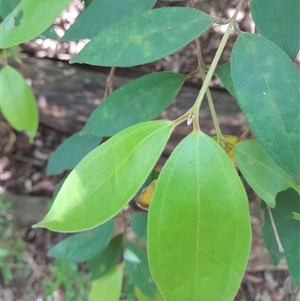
pixel 109 82
pixel 280 247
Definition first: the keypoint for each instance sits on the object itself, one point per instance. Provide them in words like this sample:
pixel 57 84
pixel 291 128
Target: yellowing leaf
pixel 146 195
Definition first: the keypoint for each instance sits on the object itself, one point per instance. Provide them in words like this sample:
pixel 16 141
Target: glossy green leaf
pixel 107 178
pixel 258 168
pixel 279 22
pixel 102 14
pixel 145 37
pixel 17 102
pixel 140 100
pixel 103 262
pixel 266 80
pixel 199 232
pixel 137 267
pixel 109 286
pixel 70 152
pixel 139 225
pixel 84 246
pixel 224 73
pixel 287 202
pixel 28 20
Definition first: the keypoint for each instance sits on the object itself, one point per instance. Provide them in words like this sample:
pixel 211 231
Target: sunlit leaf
pixel 83 246
pixel 70 152
pixel 140 100
pixel 145 37
pixel 287 202
pixel 102 14
pixel 28 19
pixel 266 84
pixel 278 21
pixel 17 102
pixel 107 178
pixel 109 286
pixel 199 231
pixel 258 168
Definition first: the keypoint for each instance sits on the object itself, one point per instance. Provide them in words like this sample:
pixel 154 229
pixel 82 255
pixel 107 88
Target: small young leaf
pixel 265 79
pixel 199 232
pixel 287 202
pixel 83 246
pixel 139 225
pixel 137 267
pixel 28 20
pixel 102 14
pixel 146 195
pixel 17 102
pixel 258 168
pixel 70 153
pixel 109 286
pixel 105 260
pixel 107 178
pixel 140 100
pixel 276 20
pixel 224 73
pixel 145 37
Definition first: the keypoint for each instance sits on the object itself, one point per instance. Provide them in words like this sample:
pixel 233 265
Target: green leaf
pixel 266 84
pixel 102 14
pixel 139 225
pixel 140 100
pixel 103 262
pixel 277 21
pixel 109 286
pixel 17 102
pixel 296 216
pixel 142 297
pixel 28 20
pixel 288 230
pixel 258 168
pixel 137 267
pixel 107 178
pixel 199 232
pixel 145 37
pixel 224 73
pixel 69 153
pixel 84 246
pixel 7 6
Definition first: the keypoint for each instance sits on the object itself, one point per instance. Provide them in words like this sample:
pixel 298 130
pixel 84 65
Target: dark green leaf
pixel 105 260
pixel 83 246
pixel 258 168
pixel 102 14
pixel 287 202
pixel 139 225
pixel 17 102
pixel 137 267
pixel 109 286
pixel 7 6
pixel 70 152
pixel 266 84
pixel 279 22
pixel 199 232
pixel 107 178
pixel 224 74
pixel 28 20
pixel 145 37
pixel 140 100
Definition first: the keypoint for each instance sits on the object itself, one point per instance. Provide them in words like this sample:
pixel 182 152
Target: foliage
pixel 198 230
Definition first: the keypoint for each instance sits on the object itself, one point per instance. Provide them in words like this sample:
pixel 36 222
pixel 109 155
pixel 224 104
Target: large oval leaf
pixel 266 84
pixel 107 178
pixel 17 102
pixel 102 14
pixel 258 168
pixel 83 246
pixel 277 21
pixel 145 37
pixel 198 226
pixel 140 100
pixel 28 20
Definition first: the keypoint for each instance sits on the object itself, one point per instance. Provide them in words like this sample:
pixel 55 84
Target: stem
pixel 280 247
pixel 196 106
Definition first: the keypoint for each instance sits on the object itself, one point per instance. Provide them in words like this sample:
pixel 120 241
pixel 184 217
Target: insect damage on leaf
pixel 146 195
